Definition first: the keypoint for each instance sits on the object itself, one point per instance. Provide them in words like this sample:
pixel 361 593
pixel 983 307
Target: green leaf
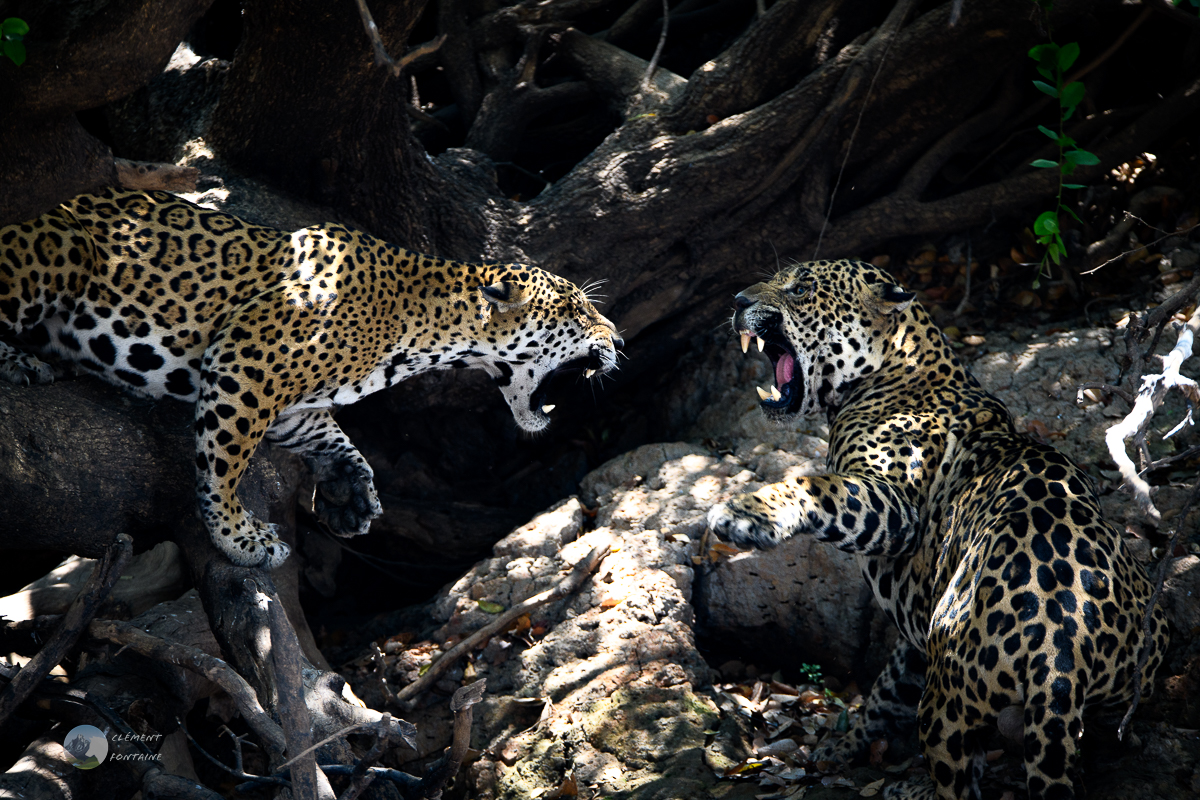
pixel 1056 251
pixel 1083 157
pixel 1067 55
pixel 1043 53
pixel 1073 186
pixel 1046 223
pixel 490 607
pixel 15 25
pixel 1046 88
pixel 1052 134
pixel 15 51
pixel 1073 214
pixel 1072 94
pixel 1043 163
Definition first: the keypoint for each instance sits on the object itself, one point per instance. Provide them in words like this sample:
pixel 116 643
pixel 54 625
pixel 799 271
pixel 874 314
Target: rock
pixel 603 685
pixel 547 533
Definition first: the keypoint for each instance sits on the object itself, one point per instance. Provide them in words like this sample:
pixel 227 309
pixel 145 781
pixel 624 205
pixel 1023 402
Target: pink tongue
pixel 784 368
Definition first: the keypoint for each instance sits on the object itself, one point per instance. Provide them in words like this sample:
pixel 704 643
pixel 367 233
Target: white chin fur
pixel 530 421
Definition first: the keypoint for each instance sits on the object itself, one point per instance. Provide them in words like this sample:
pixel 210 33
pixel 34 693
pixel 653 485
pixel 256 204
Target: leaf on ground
pixel 871 789
pixel 747 767
pixel 568 788
pixel 490 607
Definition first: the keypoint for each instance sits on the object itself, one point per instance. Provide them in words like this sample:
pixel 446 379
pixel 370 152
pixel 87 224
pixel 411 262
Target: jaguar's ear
pixel 890 298
pixel 502 296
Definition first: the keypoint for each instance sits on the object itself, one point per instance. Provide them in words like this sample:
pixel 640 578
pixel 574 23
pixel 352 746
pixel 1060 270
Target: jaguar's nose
pixel 742 301
pixel 617 341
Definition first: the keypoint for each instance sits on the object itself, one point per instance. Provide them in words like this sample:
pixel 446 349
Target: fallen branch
pixel 201 663
pixel 286 661
pixel 360 779
pixel 363 773
pixel 237 772
pixel 443 770
pixel 72 626
pixel 569 585
pixel 1149 398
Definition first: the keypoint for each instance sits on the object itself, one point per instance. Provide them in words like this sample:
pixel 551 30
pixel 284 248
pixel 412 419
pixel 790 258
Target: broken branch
pixel 382 59
pixel 569 585
pixel 107 570
pixel 201 663
pixel 293 712
pixel 1149 398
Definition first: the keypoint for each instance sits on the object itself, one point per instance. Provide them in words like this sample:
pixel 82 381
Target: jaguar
pixel 1017 604
pixel 269 332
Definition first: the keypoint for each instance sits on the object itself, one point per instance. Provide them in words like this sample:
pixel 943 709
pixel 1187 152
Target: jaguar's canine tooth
pixel 589 373
pixel 761 343
pixel 745 341
pixel 546 409
pixel 762 393
pixel 775 395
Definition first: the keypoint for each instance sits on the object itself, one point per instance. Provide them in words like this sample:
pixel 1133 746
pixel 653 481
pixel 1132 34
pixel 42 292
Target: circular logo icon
pixel 88 745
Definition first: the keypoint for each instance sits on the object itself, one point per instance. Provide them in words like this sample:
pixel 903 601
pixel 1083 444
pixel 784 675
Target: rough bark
pixel 82 461
pixel 324 127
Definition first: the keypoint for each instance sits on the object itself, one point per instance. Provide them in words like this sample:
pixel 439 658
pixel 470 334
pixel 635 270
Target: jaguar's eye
pixel 799 289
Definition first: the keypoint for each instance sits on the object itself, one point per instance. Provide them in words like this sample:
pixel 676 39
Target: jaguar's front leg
pixel 858 514
pixel 345 499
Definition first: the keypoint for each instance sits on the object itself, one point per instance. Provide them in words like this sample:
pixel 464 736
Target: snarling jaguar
pixel 269 332
pixel 1012 595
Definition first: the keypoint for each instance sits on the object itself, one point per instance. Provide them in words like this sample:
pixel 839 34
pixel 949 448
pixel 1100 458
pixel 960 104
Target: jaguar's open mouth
pixel 588 366
pixel 786 396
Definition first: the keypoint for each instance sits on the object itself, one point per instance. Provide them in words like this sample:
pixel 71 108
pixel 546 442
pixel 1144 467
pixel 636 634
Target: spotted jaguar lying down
pixel 1012 594
pixel 268 332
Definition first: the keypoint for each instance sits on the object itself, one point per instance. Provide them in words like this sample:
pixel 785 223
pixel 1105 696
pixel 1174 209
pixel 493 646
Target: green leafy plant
pixel 1052 63
pixel 811 673
pixel 12 39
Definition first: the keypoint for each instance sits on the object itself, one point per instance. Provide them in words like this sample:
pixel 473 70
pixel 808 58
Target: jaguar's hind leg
pixel 890 708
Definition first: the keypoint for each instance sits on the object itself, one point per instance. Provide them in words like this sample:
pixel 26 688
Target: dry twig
pixel 569 585
pixel 382 59
pixel 1148 400
pixel 441 771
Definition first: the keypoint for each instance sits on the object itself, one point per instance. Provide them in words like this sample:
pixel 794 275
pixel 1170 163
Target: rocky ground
pixel 685 669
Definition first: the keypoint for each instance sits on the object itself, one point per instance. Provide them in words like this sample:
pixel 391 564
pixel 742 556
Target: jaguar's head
pixel 537 326
pixel 824 325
